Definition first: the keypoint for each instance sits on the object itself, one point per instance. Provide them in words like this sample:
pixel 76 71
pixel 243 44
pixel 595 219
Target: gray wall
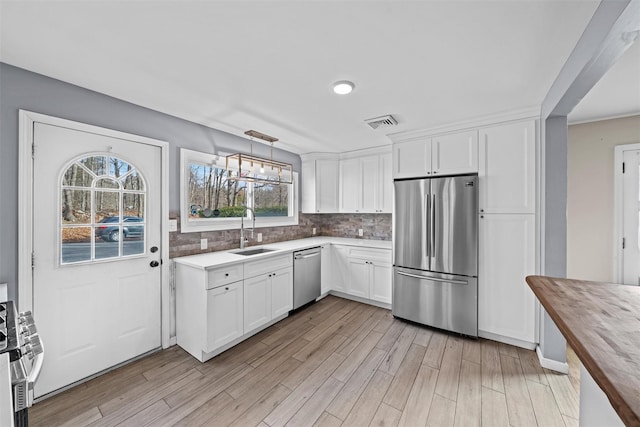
pixel 552 343
pixel 21 89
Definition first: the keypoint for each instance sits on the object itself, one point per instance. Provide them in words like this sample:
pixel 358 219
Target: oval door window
pixel 102 210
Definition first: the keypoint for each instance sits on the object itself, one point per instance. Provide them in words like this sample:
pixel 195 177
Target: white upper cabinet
pixel 454 154
pixel 507 168
pixel 326 186
pixel 366 185
pixel 370 183
pixel 319 185
pixel 350 185
pixel 385 192
pixel 412 159
pixel 451 154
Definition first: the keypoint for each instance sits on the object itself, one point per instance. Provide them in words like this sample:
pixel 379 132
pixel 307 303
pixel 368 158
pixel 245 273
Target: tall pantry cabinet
pixel 507 239
pixel 504 156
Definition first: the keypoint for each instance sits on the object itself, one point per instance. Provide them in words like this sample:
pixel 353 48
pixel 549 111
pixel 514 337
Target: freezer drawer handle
pixel 434 279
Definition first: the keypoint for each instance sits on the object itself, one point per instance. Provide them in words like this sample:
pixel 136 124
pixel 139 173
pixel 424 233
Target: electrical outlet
pixel 313 231
pixel 173 225
pixel 360 232
pixel 203 244
pixel 259 237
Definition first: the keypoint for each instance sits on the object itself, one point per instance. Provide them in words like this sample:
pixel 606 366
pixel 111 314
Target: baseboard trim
pixel 507 340
pixel 551 364
pixel 360 299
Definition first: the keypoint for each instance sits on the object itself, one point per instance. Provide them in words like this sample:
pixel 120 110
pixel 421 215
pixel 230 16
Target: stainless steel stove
pixel 19 340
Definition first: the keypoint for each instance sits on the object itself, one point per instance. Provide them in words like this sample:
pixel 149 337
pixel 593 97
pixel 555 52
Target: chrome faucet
pixel 253 226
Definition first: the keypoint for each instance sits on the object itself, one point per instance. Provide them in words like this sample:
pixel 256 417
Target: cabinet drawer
pixel 267 265
pixel 370 254
pixel 223 275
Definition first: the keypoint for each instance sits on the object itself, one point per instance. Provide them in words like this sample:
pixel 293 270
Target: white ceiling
pixel 267 65
pixel 617 94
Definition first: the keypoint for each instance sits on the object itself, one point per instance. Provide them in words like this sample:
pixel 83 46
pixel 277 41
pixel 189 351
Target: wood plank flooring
pixel 337 363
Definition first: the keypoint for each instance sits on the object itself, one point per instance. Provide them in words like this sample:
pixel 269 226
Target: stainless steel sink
pixel 256 251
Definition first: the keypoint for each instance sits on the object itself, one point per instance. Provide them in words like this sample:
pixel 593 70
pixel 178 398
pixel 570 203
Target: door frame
pixel 618 207
pixel 27 119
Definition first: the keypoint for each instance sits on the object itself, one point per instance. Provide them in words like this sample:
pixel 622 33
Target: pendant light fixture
pixel 247 167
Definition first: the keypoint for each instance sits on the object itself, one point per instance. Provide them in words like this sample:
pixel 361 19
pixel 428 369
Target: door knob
pixel 154 263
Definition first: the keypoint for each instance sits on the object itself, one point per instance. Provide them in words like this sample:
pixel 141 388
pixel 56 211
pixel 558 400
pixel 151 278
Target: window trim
pixel 191 226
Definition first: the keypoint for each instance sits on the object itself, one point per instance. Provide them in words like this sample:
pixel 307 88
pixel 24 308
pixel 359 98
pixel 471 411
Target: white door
pixel 631 218
pixel 96 238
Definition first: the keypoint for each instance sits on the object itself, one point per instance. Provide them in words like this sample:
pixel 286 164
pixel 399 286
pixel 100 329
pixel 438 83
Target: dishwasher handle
pixel 306 256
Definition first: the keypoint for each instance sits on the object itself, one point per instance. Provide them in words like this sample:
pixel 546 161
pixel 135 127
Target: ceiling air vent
pixel 382 122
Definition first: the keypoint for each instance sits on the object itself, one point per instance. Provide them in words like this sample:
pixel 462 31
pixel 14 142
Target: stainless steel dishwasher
pixel 306 276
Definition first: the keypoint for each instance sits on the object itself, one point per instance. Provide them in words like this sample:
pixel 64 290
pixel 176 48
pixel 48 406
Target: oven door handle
pixel 36 367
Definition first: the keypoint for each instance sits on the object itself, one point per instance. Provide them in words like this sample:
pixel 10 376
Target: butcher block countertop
pixel 601 322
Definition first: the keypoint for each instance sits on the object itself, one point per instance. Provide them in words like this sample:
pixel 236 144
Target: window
pixel 102 212
pixel 211 200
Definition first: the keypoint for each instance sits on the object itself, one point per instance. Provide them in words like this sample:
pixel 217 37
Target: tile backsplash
pixel 374 226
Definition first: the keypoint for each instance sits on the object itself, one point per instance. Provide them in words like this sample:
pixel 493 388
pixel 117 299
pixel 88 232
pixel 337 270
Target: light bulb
pixel 343 87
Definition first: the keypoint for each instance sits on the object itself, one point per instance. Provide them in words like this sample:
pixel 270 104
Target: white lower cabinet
pixel 266 297
pixel 218 307
pixel 365 272
pixel 381 274
pixel 357 283
pixel 215 310
pixel 340 268
pixel 506 305
pixel 224 315
pixel 257 302
pixel 326 268
pixel 281 292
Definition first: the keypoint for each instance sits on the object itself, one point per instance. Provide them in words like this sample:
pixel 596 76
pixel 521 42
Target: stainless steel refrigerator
pixel 435 279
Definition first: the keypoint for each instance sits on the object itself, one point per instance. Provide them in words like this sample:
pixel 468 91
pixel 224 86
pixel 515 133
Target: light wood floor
pixel 336 363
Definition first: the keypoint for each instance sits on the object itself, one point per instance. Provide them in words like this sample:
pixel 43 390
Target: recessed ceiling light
pixel 343 87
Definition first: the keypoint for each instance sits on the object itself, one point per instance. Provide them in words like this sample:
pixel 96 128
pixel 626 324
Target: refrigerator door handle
pixel 432 252
pixel 434 279
pixel 427 241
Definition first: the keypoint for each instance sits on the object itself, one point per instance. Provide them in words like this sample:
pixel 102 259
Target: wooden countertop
pixel 601 322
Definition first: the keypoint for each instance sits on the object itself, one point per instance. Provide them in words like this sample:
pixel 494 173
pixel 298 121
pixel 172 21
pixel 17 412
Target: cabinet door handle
pixel 226 274
pixel 226 289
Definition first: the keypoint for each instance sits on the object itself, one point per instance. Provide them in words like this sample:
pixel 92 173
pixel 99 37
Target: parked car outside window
pixel 111 233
